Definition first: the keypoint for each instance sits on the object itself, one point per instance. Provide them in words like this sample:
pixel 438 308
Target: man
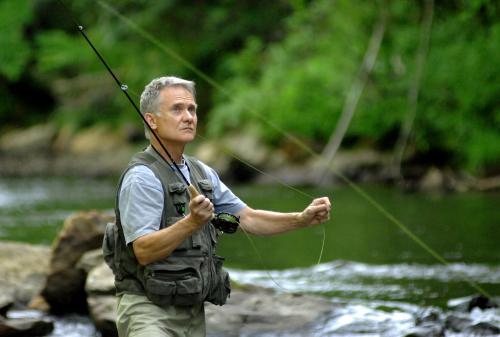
pixel 162 248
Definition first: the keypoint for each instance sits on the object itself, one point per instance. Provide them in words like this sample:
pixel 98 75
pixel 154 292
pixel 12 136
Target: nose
pixel 188 115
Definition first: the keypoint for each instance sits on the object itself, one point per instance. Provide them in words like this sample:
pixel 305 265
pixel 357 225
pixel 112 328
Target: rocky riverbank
pixel 71 277
pixel 44 150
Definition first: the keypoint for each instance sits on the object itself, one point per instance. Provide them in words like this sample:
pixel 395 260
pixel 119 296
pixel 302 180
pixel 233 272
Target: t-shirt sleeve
pixel 224 199
pixel 140 203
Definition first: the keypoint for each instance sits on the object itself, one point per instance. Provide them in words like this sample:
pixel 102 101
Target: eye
pixel 176 110
pixel 192 109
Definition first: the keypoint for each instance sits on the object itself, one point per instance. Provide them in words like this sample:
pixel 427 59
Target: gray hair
pixel 149 97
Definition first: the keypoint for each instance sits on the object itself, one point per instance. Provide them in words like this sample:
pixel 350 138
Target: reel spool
pixel 226 222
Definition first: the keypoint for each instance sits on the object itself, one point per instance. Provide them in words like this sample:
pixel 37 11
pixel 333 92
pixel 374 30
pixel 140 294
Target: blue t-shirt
pixel 141 200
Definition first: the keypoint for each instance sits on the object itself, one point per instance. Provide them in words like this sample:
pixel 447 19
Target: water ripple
pixel 352 277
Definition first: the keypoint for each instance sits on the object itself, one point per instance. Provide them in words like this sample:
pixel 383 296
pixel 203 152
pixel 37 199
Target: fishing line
pixel 281 182
pixel 252 242
pixel 292 138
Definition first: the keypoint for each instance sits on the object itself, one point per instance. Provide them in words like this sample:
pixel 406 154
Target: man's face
pixel 176 120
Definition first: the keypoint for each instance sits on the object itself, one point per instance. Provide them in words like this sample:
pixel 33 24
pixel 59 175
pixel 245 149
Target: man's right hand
pixel 201 211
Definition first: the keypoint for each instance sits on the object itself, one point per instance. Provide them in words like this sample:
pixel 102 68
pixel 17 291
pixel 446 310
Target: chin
pixel 188 138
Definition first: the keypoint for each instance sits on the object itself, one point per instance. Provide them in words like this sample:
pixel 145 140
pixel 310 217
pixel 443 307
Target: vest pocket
pixel 222 287
pixel 180 199
pixel 108 245
pixel 174 284
pixel 111 248
pixel 206 188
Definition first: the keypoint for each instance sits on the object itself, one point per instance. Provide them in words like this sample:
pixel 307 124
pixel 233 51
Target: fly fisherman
pixel 162 247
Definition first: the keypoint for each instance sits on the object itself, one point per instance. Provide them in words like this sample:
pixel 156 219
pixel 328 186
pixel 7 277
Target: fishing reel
pixel 226 222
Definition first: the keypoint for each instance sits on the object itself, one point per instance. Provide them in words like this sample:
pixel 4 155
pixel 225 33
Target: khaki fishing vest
pixel 192 273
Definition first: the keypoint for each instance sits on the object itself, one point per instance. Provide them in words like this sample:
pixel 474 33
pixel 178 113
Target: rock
pixel 24 270
pixel 39 303
pixel 90 260
pixel 43 150
pixel 429 315
pixel 100 281
pixel 100 288
pixel 226 155
pixel 6 302
pixel 482 302
pixel 426 330
pixel 467 304
pixel 428 324
pixel 262 310
pixel 433 180
pixel 34 139
pixel 209 152
pixel 64 290
pixel 96 139
pixel 457 323
pixel 25 327
pixel 483 329
pixel 102 310
pixel 487 184
pixel 359 165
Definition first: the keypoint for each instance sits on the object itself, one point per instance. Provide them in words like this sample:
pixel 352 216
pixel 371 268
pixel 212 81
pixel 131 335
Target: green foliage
pixel 297 83
pixel 201 34
pixel 301 82
pixel 285 66
pixel 15 51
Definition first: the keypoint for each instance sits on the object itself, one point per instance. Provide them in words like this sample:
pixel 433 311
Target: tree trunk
pixel 355 92
pixel 414 89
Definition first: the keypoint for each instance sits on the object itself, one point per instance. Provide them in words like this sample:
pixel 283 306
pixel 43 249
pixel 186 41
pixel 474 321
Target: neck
pixel 175 151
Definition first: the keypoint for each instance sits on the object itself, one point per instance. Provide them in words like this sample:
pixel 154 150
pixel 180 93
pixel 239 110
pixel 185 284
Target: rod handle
pixel 194 192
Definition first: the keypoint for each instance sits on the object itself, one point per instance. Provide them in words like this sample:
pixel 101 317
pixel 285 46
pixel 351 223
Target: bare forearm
pixel 261 222
pixel 158 245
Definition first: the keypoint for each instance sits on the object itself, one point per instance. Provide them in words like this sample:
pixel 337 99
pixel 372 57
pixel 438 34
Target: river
pixel 379 273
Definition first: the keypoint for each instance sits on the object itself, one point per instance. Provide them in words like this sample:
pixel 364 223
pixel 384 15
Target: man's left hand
pixel 316 213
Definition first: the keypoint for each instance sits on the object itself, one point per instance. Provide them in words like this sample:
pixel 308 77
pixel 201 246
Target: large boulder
pixel 253 311
pixel 234 155
pixel 24 270
pixel 33 139
pixel 101 298
pixel 64 290
pixel 102 310
pixel 248 310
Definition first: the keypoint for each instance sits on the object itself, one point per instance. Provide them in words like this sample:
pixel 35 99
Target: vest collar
pixel 151 150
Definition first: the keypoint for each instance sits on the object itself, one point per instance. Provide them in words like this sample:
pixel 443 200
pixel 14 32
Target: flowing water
pixel 379 274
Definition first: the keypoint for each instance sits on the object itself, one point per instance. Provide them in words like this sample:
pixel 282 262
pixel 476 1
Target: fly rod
pixel 225 222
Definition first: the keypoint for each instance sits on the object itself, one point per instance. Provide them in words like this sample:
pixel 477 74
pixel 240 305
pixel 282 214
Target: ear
pixel 151 119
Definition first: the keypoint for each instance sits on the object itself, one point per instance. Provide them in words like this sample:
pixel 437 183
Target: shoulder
pixel 141 175
pixel 209 171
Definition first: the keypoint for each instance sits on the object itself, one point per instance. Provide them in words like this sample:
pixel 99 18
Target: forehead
pixel 174 95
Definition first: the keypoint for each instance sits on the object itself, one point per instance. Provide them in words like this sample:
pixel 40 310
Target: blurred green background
pixel 291 63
